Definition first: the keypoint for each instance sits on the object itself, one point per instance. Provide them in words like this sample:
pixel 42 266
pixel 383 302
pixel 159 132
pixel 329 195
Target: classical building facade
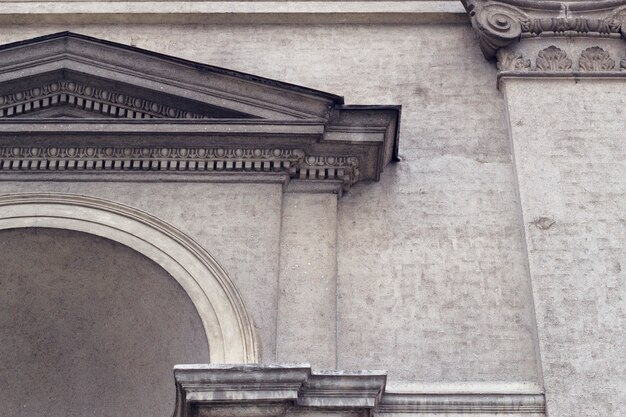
pixel 302 208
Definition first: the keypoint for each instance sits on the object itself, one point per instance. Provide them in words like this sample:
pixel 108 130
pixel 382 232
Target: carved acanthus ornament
pixel 505 29
pixel 595 59
pixel 512 61
pixel 553 59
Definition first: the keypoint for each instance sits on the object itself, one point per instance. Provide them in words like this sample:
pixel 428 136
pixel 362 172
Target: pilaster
pixel 562 71
pixel 307 293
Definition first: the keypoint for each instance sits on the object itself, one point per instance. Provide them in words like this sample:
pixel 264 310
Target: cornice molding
pixel 279 390
pixel 469 403
pixel 501 23
pixel 295 163
pixel 232 12
pixel 235 389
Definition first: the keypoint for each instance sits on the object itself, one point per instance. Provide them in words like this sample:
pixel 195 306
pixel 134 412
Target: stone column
pixel 565 91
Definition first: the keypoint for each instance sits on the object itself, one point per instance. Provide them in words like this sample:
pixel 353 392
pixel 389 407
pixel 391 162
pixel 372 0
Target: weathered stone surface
pixel 295 390
pixel 232 12
pixel 307 303
pixel 89 327
pixel 259 390
pixel 453 147
pixel 434 250
pixel 571 165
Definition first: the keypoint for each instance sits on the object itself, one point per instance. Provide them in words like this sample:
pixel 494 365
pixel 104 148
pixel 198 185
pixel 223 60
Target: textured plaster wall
pixel 84 331
pixel 571 164
pixel 431 272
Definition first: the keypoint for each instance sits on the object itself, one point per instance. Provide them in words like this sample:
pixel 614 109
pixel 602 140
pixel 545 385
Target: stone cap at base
pixel 294 389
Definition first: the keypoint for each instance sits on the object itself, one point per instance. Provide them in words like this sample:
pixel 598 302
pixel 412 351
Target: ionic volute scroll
pixel 497 24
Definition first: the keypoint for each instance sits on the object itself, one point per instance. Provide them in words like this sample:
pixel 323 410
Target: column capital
pixel 512 31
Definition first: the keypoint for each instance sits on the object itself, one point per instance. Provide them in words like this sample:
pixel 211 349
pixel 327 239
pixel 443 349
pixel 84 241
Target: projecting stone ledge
pixel 249 390
pixel 289 390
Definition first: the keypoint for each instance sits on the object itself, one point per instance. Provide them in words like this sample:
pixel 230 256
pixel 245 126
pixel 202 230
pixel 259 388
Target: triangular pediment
pixel 70 103
pixel 99 78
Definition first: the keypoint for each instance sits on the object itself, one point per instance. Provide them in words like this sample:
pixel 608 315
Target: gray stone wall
pixel 307 304
pixel 430 273
pixel 434 250
pixel 571 165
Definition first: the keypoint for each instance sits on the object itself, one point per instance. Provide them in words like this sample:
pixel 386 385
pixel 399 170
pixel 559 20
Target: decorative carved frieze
pixel 293 162
pixel 554 60
pixel 578 26
pixel 500 23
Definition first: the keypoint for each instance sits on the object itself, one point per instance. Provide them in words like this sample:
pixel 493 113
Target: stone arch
pixel 229 330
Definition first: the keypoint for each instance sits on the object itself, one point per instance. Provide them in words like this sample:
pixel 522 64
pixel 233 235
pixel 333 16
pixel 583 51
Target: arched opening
pixel 32 220
pixel 89 327
pixel 228 328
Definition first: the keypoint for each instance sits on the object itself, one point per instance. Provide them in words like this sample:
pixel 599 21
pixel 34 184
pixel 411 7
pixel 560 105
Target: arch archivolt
pixel 229 330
